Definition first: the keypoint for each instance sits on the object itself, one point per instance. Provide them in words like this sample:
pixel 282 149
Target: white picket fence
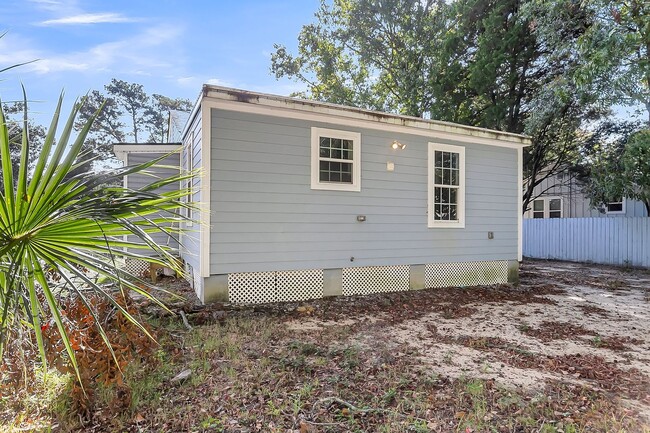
pixel 614 241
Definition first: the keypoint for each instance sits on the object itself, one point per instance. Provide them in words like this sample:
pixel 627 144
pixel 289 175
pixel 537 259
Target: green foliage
pixel 487 64
pixel 621 172
pixel 127 112
pixel 616 51
pixel 636 166
pixel 60 235
pixel 15 123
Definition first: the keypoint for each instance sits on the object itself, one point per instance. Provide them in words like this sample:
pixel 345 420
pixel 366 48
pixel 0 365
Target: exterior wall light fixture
pixel 397 145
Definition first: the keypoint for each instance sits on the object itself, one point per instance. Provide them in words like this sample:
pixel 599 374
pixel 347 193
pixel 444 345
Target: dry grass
pixel 366 365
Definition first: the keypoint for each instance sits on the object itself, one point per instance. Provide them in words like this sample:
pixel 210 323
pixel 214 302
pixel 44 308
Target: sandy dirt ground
pixel 566 322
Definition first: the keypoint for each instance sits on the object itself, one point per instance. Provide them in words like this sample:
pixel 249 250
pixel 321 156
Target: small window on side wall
pixel 547 207
pixel 335 160
pixel 446 202
pixel 615 207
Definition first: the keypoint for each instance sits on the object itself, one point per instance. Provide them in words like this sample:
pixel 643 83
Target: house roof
pixel 121 149
pixel 283 106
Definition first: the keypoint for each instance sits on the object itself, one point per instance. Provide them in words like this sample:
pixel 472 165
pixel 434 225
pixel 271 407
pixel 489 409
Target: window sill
pixel 446 225
pixel 336 187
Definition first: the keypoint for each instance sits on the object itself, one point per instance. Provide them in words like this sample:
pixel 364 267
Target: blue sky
pixel 171 47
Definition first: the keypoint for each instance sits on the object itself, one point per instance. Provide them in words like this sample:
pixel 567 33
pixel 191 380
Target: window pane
pixel 438 177
pixel 437 195
pixel 538 214
pixel 453 195
pixel 454 177
pixel 555 204
pixel 455 158
pixel 445 212
pixel 615 207
pixel 445 196
pixel 438 159
pixel 446 175
pixel 555 214
pixel 340 172
pixel 325 151
pixel 453 212
pixel 336 148
pixel 438 212
pixel 538 205
pixel 446 159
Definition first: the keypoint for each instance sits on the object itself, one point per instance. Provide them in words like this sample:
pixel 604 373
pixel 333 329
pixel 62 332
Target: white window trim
pixel 188 165
pixel 547 206
pixel 617 212
pixel 316 133
pixel 432 223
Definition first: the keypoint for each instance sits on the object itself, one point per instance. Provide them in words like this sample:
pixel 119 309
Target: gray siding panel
pixel 139 180
pixel 191 251
pixel 266 217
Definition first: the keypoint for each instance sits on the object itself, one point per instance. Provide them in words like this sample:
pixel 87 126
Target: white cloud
pixel 149 49
pixel 67 7
pixel 219 82
pixel 83 19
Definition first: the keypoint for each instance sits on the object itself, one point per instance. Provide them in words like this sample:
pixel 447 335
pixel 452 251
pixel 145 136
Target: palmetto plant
pixel 62 234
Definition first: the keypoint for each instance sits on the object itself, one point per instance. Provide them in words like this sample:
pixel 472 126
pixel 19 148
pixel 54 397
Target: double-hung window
pixel 335 160
pixel 446 186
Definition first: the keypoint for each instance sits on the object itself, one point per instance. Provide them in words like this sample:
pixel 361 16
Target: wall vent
pixel 465 274
pixel 280 286
pixel 375 279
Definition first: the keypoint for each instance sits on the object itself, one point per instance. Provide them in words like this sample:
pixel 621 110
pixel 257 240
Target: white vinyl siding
pixel 446 200
pixel 335 160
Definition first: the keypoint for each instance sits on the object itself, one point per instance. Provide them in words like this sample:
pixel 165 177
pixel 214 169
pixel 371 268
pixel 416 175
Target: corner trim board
pixel 520 202
pixel 206 175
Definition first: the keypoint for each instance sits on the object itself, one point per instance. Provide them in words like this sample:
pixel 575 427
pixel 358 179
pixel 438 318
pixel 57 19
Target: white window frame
pixel 316 133
pixel 460 222
pixel 547 206
pixel 616 212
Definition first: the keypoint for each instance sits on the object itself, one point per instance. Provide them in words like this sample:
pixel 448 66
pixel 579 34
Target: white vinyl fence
pixel 614 241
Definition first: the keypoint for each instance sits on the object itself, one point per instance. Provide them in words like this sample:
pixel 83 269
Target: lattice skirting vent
pixel 136 267
pixel 375 279
pixel 465 274
pixel 300 285
pixel 281 286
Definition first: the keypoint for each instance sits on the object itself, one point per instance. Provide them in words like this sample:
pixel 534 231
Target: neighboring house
pixel 303 199
pixel 562 224
pixel 138 153
pixel 561 196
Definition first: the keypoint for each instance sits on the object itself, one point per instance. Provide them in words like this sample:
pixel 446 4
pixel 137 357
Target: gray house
pixel 138 153
pixel 561 196
pixel 302 199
